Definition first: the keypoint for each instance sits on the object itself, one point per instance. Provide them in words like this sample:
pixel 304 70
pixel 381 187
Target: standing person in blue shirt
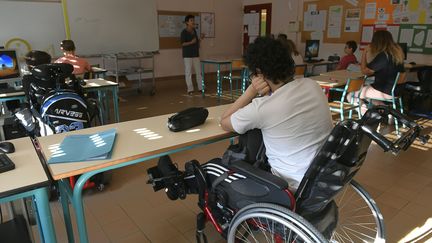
pixel 190 51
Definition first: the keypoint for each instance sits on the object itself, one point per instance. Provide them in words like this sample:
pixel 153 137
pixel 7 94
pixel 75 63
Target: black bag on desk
pixel 187 119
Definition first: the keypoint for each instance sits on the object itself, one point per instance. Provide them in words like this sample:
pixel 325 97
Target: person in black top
pixel 190 51
pixel 386 61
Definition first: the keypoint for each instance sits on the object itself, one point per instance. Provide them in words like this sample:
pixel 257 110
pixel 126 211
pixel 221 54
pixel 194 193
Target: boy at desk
pixel 292 114
pixel 349 58
pixel 80 65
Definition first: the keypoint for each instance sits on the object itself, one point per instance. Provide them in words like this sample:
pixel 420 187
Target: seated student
pixel 386 60
pixel 293 114
pixel 295 54
pixel 349 58
pixel 80 65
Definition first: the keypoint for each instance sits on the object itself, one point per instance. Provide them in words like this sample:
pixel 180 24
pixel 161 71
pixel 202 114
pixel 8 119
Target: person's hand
pixel 260 85
pixel 193 41
pixel 202 35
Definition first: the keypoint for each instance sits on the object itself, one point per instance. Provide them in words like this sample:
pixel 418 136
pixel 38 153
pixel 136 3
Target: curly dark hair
pixel 270 58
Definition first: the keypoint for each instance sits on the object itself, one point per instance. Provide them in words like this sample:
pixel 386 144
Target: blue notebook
pixel 87 147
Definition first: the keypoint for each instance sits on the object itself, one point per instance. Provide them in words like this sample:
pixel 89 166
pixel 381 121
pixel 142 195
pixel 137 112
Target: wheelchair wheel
pixel 264 222
pixel 360 219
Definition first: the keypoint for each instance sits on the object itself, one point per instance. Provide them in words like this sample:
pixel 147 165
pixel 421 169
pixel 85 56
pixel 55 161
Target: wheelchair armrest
pixel 259 174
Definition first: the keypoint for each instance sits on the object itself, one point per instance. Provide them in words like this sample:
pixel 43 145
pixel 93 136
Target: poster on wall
pixel 335 21
pixel 418 37
pixel 314 20
pixel 208 24
pixel 352 20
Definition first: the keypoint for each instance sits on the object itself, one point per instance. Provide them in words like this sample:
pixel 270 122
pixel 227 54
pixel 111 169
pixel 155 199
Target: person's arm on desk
pixel 259 86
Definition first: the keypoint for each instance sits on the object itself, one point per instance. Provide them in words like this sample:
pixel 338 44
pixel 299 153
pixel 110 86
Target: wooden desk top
pixel 98 70
pixel 220 60
pixel 328 82
pixel 28 173
pixel 343 74
pixel 137 139
pixel 99 82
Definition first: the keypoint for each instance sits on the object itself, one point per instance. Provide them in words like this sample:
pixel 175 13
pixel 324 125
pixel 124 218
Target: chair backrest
pixel 395 83
pixel 300 69
pixel 354 84
pixel 237 63
pixel 335 165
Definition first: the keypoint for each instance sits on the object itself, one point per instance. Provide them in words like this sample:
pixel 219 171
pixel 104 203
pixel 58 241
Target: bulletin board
pixel 326 6
pixel 409 22
pixel 171 23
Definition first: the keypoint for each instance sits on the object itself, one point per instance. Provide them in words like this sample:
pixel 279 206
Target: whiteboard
pixel 112 26
pixel 40 24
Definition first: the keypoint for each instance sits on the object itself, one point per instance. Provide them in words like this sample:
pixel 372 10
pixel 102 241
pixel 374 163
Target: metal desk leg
pixel 101 108
pixel 44 215
pixel 114 91
pixel 79 207
pixel 65 191
pixel 202 79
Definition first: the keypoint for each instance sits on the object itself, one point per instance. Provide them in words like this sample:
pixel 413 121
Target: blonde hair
pixel 382 41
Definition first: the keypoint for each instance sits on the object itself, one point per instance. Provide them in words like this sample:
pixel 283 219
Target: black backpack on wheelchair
pixel 242 200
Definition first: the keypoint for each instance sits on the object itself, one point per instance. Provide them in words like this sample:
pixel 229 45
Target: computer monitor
pixel 312 49
pixel 9 66
pixel 404 47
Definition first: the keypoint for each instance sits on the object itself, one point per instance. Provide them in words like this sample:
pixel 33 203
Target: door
pixel 257 22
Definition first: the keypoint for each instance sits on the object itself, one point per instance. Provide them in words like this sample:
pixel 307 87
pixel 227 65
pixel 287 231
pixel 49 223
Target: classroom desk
pixel 19 95
pixel 137 141
pixel 327 82
pixel 98 72
pixel 101 86
pixel 28 179
pixel 343 74
pixel 218 62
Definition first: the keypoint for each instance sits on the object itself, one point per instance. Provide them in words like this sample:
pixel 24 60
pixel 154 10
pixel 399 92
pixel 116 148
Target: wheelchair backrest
pixel 335 165
pixel 65 111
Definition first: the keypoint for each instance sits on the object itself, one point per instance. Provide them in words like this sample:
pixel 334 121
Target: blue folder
pixel 87 147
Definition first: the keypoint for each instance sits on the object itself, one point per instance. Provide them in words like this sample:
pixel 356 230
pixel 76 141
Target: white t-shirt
pixel 295 121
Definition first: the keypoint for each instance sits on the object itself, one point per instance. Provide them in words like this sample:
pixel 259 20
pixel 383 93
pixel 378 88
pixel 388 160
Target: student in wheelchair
pixel 293 198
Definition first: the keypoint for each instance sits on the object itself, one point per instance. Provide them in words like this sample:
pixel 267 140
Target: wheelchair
pixel 247 203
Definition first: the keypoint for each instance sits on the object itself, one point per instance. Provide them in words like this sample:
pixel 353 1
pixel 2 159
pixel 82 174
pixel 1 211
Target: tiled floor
pixel 129 211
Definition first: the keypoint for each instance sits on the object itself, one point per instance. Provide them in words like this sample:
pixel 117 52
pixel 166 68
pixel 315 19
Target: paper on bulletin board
pixel 314 20
pixel 394 30
pixel 352 2
pixel 419 37
pixel 370 11
pixel 428 43
pixel 367 34
pixel 335 21
pixel 406 36
pixel 352 26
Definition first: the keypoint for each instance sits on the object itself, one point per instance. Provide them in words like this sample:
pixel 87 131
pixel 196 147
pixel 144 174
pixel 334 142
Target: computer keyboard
pixel 6 164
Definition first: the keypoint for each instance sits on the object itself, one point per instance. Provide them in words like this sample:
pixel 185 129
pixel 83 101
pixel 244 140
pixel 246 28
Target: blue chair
pixel 341 106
